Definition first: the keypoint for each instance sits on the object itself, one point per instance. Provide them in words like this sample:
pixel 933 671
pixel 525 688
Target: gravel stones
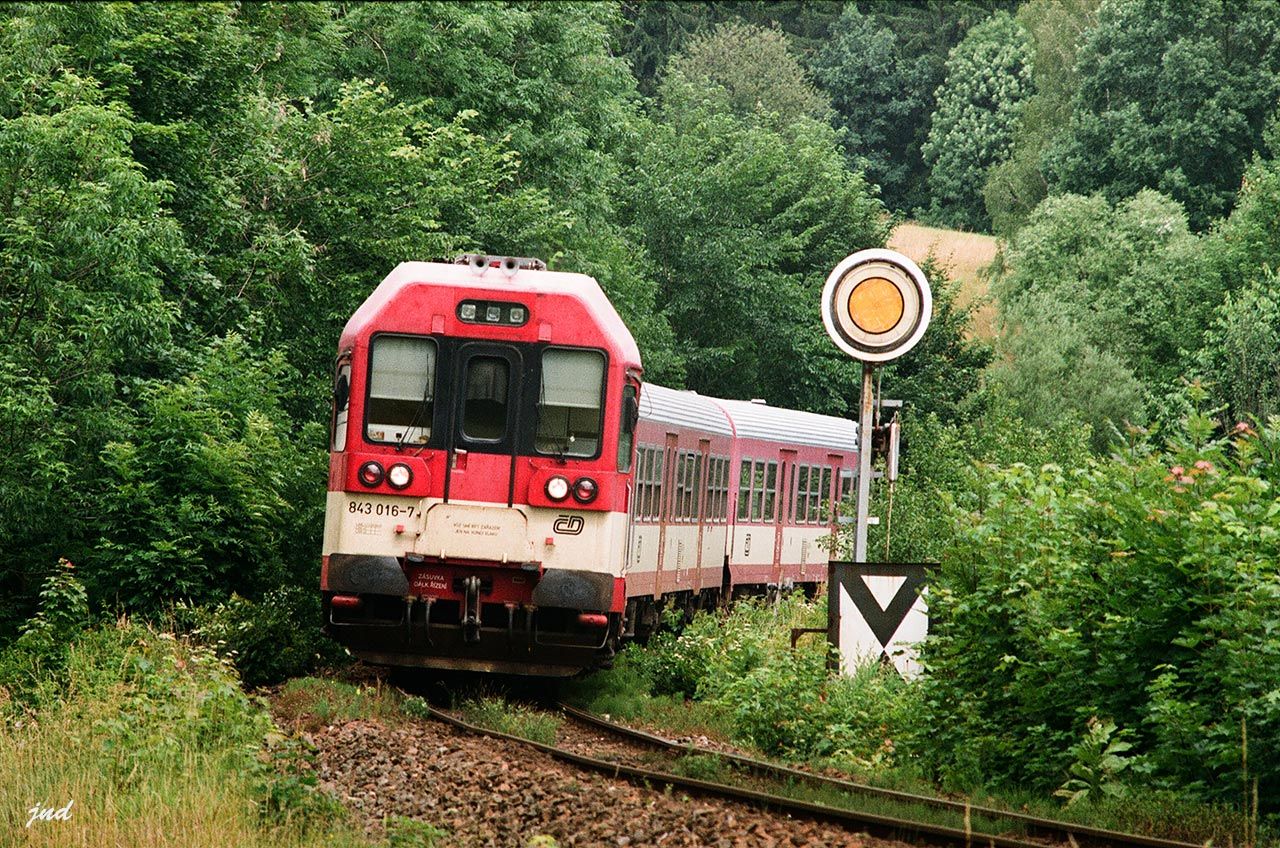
pixel 492 792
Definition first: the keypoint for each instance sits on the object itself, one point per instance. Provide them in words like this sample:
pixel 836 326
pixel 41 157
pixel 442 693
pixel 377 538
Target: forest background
pixel 194 197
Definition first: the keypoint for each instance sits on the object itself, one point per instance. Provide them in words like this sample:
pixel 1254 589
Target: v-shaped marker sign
pixel 884 622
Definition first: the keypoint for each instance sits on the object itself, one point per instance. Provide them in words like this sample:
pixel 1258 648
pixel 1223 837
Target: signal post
pixel 876 306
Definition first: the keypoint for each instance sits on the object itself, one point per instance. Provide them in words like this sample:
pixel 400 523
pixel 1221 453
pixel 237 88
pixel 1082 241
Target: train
pixel 506 494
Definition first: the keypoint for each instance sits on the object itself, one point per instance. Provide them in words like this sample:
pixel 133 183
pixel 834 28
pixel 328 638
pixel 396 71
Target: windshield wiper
pixel 417 414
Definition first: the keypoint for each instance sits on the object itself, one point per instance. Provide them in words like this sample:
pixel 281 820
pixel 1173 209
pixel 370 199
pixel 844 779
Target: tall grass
pixel 309 703
pixel 156 745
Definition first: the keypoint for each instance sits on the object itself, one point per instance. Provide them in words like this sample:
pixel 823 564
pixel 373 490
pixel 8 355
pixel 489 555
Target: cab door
pixel 485 427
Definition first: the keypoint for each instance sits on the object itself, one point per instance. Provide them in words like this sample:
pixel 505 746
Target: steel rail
pixel 885 824
pixel 1035 823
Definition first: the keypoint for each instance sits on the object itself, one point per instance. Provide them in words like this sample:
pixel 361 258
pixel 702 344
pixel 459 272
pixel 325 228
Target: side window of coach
pixel 402 378
pixel 341 405
pixel 569 419
pixel 627 432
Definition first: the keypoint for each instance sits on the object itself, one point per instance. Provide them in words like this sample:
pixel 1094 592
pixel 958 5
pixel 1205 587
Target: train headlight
pixel 557 488
pixel 371 474
pixel 585 490
pixel 399 475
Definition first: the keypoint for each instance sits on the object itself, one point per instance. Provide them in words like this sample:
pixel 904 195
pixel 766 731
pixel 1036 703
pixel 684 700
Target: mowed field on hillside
pixel 966 258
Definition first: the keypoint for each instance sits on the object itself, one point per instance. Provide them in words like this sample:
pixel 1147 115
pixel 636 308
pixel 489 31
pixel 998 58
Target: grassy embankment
pixel 966 258
pixel 155 744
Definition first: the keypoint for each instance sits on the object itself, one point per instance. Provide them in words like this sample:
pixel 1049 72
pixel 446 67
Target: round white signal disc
pixel 876 305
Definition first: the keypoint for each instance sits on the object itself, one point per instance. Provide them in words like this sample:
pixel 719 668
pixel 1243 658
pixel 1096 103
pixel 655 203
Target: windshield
pixel 569 414
pixel 402 376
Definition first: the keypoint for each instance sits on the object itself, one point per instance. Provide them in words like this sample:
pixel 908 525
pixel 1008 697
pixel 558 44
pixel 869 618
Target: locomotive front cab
pixel 480 469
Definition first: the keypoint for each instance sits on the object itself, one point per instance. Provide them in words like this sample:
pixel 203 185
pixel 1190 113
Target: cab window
pixel 402 377
pixel 569 414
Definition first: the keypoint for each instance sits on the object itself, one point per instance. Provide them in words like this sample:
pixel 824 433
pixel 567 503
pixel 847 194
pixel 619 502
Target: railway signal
pixel 876 306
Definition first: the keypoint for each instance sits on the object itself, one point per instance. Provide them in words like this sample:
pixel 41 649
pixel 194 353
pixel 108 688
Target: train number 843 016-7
pixel 390 510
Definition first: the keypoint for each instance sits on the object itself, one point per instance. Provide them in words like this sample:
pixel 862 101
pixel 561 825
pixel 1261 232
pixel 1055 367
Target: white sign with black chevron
pixel 878 611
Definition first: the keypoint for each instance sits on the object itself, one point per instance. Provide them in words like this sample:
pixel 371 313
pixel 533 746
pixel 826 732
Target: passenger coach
pixel 505 496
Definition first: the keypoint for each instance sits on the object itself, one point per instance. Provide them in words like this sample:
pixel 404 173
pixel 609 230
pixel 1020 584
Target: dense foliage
pixel 1171 97
pixel 979 107
pixel 1139 589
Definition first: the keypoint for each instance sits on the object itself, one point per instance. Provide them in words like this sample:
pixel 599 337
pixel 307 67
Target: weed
pixel 310 703
pixel 404 832
pixel 515 719
pixel 702 767
pixel 415 707
pixel 1099 762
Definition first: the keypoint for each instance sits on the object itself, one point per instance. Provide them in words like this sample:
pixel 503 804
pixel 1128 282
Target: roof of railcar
pixel 771 424
pixel 579 287
pixel 746 420
pixel 683 409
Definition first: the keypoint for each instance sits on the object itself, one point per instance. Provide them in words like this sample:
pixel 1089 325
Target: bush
pixel 34 665
pixel 782 701
pixel 215 490
pixel 1140 588
pixel 271 639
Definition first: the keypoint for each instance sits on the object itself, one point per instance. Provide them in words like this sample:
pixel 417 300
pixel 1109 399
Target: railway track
pixel 973 825
pixel 1052 829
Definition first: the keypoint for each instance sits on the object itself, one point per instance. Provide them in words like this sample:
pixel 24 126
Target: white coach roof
pixel 745 419
pixel 771 424
pixel 683 409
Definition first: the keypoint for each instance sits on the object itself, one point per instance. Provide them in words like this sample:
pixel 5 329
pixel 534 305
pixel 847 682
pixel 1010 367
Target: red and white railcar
pixel 730 496
pixel 483 509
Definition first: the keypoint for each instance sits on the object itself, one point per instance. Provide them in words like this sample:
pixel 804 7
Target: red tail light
pixel 585 490
pixel 371 474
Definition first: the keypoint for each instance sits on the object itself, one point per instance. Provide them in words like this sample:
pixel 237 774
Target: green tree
pixel 85 250
pixel 742 224
pixel 1246 245
pixel 210 491
pixel 1241 353
pixel 1172 96
pixel 659 29
pixel 1014 186
pixel 979 107
pixel 1129 281
pixel 878 100
pixel 925 32
pixel 545 82
pixel 771 87
pixel 1056 374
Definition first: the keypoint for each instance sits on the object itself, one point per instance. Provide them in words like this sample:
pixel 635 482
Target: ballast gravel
pixel 492 792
